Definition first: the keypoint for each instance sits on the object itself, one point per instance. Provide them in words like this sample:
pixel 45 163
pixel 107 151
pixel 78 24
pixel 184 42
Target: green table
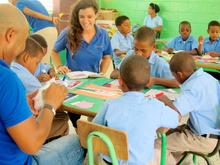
pixel 98 103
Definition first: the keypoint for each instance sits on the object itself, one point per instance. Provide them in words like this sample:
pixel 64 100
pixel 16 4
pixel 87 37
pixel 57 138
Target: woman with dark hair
pixel 87 46
pixel 153 20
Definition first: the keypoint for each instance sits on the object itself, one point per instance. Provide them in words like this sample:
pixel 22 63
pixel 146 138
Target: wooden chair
pixel 108 141
pixel 204 156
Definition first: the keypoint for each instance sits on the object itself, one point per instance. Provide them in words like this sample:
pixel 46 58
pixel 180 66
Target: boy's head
pixel 32 55
pixel 144 41
pixel 153 8
pixel 123 24
pixel 184 29
pixel 40 39
pixel 134 73
pixel 182 65
pixel 214 30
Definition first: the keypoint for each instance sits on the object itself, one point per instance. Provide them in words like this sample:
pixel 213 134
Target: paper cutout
pixel 170 93
pixel 99 92
pixel 83 104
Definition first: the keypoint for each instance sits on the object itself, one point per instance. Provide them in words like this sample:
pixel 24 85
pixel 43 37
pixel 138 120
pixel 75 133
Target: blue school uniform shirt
pixel 178 43
pixel 139 117
pixel 14 109
pixel 153 22
pixel 158 66
pixel 30 82
pixel 209 46
pixel 88 56
pixel 201 99
pixel 122 43
pixel 35 23
pixel 40 68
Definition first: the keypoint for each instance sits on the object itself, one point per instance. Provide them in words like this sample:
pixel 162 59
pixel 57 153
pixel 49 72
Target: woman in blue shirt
pixel 153 20
pixel 40 21
pixel 87 46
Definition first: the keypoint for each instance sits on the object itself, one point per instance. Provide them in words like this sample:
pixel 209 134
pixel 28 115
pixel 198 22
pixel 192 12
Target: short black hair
pixel 155 7
pixel 213 23
pixel 145 34
pixel 40 40
pixel 119 20
pixel 182 62
pixel 185 23
pixel 135 71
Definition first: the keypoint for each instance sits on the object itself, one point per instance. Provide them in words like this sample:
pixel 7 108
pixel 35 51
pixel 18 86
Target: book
pixel 82 74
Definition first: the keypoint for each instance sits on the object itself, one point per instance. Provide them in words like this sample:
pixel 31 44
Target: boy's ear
pixel 25 57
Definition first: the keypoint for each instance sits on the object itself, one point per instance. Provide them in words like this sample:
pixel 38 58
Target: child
pixel 144 45
pixel 132 112
pixel 200 98
pixel 183 42
pixel 44 72
pixel 121 42
pixel 211 44
pixel 25 66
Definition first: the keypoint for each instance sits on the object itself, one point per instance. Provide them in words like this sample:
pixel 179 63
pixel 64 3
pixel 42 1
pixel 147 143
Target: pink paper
pixel 83 104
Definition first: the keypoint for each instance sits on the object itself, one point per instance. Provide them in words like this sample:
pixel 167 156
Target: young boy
pixel 25 66
pixel 122 40
pixel 44 72
pixel 211 44
pixel 199 97
pixel 134 112
pixel 183 42
pixel 144 45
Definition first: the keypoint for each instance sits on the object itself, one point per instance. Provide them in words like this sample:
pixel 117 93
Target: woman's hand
pixel 63 69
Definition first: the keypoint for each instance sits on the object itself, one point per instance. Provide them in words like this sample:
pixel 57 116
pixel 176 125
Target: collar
pixel 20 67
pixel 152 57
pixel 180 39
pixel 197 73
pixel 207 40
pixel 122 36
pixel 134 93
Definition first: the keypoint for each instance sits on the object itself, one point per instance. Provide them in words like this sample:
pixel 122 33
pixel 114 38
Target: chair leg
pixel 194 159
pixel 182 159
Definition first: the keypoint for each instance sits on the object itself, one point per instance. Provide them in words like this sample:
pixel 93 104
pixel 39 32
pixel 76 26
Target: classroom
pixel 109 82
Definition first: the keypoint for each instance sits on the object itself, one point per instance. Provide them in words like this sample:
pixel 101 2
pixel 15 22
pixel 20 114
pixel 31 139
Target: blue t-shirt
pixel 158 66
pixel 153 22
pixel 122 43
pixel 35 23
pixel 209 46
pixel 178 44
pixel 139 117
pixel 200 97
pixel 89 55
pixel 13 110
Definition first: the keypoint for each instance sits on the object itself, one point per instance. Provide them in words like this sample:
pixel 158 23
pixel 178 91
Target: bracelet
pixel 50 107
pixel 52 19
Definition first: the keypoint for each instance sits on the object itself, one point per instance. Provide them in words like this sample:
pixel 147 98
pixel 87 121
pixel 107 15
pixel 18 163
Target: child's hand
pixel 201 40
pixel 170 50
pixel 55 20
pixel 52 73
pixel 151 82
pixel 44 77
pixel 213 54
